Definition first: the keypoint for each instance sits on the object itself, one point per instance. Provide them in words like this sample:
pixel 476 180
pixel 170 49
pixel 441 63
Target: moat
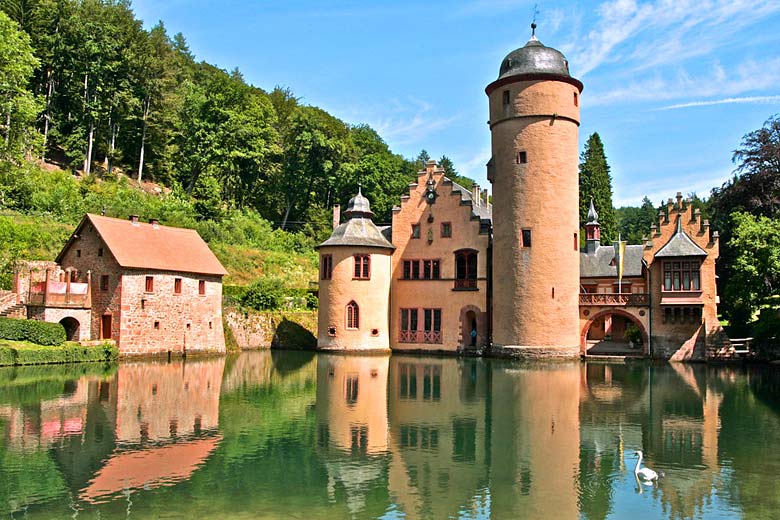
pixel 301 435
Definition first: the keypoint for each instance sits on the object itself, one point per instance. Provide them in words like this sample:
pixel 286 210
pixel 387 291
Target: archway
pixel 605 333
pixel 471 327
pixel 72 327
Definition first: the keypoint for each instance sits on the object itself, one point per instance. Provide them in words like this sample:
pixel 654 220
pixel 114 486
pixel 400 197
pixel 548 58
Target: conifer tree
pixel 596 183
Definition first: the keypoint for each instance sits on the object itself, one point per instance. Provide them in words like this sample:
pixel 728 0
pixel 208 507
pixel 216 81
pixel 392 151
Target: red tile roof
pixel 146 246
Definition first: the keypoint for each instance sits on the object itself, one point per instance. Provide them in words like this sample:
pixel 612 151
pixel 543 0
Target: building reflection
pixel 535 442
pixel 438 435
pixel 352 424
pixel 167 416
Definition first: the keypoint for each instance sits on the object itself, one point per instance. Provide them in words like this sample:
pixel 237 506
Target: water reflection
pixel 284 434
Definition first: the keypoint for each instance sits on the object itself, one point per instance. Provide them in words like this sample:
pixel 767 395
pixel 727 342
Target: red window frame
pixel 421 269
pixel 362 269
pixel 326 267
pixel 177 286
pixel 201 287
pixel 352 316
pixel 149 284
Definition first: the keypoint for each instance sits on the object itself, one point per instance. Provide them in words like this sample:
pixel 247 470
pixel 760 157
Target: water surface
pixel 301 435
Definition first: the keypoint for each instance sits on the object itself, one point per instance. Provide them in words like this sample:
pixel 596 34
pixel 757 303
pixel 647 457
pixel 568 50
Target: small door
pixel 105 327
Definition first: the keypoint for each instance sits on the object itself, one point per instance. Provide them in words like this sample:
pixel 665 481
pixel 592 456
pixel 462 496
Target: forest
pixel 99 114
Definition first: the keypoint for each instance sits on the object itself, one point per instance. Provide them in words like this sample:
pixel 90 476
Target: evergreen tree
pixel 596 184
pixel 634 222
pixel 422 159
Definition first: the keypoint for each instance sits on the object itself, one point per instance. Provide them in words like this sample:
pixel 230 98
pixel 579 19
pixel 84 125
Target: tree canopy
pixel 596 184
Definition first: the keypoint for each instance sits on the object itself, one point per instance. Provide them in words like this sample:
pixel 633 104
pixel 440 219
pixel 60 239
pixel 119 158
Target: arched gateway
pixel 607 329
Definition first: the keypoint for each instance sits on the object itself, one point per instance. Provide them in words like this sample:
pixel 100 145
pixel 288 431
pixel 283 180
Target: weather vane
pixel 533 23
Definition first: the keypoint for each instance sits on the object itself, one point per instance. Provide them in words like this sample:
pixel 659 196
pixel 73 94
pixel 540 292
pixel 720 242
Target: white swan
pixel 645 474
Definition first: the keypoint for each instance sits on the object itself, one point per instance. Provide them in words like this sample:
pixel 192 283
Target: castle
pixel 457 272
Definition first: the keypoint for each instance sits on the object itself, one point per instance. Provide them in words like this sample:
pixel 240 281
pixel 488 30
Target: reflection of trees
pixel 749 437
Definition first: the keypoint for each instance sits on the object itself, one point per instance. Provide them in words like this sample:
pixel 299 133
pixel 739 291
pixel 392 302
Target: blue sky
pixel 670 85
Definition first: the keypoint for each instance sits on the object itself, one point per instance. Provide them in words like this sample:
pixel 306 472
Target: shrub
pixel 633 334
pixel 766 333
pixel 39 332
pixel 266 294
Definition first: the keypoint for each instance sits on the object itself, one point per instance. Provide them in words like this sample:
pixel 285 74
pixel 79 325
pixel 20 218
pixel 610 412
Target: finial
pixel 360 189
pixel 533 22
pixel 533 30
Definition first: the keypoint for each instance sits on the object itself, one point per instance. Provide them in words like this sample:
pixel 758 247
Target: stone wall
pixel 258 330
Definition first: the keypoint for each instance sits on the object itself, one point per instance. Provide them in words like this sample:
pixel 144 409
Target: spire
pixel 593 217
pixel 358 206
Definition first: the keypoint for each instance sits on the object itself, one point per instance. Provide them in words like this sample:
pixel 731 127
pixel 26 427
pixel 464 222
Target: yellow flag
pixel 621 258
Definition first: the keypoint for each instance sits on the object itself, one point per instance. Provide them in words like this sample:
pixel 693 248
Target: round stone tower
pixel 534 122
pixel 354 285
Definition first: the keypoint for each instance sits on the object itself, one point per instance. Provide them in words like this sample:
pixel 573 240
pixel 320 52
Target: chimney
pixel 134 219
pixel 485 196
pixel 154 222
pixel 475 195
pixel 336 215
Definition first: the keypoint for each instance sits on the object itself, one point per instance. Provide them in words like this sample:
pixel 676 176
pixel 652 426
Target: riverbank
pixel 13 353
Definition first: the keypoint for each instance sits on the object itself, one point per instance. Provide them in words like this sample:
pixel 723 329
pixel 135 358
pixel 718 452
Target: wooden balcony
pixel 615 299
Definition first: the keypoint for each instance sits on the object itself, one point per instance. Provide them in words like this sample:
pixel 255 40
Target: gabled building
pixel 153 289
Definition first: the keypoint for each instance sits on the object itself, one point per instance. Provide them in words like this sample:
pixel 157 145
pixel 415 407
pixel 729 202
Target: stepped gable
pixel 680 244
pixel 139 245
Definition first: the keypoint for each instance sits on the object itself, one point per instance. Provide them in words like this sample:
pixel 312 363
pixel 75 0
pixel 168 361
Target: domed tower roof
pixel 593 217
pixel 535 61
pixel 358 206
pixel 359 229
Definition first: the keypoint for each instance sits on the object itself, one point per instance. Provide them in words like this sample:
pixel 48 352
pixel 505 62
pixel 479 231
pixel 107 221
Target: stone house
pixel 153 289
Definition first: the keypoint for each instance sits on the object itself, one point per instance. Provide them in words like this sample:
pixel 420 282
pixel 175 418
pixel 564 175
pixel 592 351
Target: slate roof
pixel 680 245
pixel 148 246
pixel 484 211
pixel 359 229
pixel 597 265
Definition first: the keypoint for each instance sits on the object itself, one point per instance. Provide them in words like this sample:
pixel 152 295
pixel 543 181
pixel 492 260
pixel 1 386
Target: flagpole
pixel 620 271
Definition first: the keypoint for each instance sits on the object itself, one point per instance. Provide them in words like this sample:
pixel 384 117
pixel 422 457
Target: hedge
pixel 70 353
pixel 39 332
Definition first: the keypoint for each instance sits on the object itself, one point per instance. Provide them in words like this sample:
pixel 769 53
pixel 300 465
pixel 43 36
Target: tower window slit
pixel 522 158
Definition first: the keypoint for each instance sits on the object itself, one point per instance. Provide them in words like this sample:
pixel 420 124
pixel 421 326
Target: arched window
pixel 353 316
pixel 466 269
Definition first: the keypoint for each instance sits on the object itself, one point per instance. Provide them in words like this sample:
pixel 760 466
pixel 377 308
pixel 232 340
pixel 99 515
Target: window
pixel 408 326
pixel 431 270
pixel 363 267
pixel 177 286
pixel 682 275
pixel 201 287
pixel 422 270
pixel 353 316
pixel 407 384
pixel 576 100
pixel 522 158
pixel 505 98
pixel 351 389
pixel 526 236
pixel 100 251
pixel 431 382
pixel 104 282
pixel 415 230
pixel 156 325
pixel 326 267
pixel 150 284
pixel 466 269
pixel 446 230
pixel 576 243
pixel 432 326
pixel 78 253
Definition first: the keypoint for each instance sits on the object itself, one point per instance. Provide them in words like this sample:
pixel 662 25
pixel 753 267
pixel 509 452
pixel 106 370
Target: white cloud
pixel 645 35
pixel 726 101
pixel 411 121
pixel 750 76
